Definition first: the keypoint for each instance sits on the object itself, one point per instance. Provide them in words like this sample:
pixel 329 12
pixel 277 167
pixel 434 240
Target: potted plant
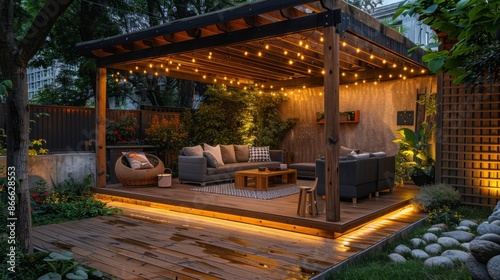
pixel 320 116
pixel 417 149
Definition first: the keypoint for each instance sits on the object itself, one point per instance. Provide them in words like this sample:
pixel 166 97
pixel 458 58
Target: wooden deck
pixel 152 243
pixel 280 213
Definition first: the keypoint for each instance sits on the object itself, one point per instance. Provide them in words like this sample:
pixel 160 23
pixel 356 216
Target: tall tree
pixel 16 52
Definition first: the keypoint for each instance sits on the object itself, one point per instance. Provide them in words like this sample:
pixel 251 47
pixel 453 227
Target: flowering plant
pixel 168 135
pixel 121 131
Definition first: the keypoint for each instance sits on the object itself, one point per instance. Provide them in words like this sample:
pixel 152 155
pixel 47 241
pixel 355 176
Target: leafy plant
pixel 169 135
pixel 444 215
pixel 121 131
pixel 416 148
pixel 64 265
pixel 5 86
pixel 472 26
pixel 435 196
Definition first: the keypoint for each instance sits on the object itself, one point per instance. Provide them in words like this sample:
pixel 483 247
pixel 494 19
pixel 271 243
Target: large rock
pixel 468 223
pixel 490 237
pixel 397 258
pixel 484 250
pixel 448 242
pixel 493 267
pixel 419 254
pixel 477 270
pixel 485 228
pixel 438 261
pixel 461 236
pixel 493 218
pixel 433 249
pixel 430 237
pixel 434 230
pixel 442 226
pixel 456 255
pixel 417 242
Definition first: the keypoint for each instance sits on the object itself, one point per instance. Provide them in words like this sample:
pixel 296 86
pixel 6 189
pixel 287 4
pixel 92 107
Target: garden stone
pixel 397 258
pixel 433 249
pixel 468 223
pixel 402 250
pixel 477 270
pixel 466 246
pixel 438 261
pixel 464 228
pixel 484 250
pixel 456 255
pixel 419 254
pixel 491 237
pixel 493 267
pixel 434 230
pixel 430 237
pixel 417 242
pixel 461 236
pixel 485 228
pixel 492 218
pixel 443 227
pixel 495 223
pixel 448 241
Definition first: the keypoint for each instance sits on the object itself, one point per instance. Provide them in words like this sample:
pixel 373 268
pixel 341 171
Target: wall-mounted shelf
pixel 346 117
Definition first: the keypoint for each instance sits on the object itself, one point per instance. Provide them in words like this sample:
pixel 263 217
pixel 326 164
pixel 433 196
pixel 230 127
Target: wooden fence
pixel 68 128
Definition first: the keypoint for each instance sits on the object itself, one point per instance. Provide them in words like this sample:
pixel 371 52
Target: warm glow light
pixel 343 74
pixel 193 60
pixel 285 52
pixel 380 76
pixel 259 54
pixel 225 78
pixel 137 68
pixel 215 80
pixel 150 65
pixel 344 44
pixel 321 39
pixel 411 71
pixel 422 71
pixel 267 46
pixel 166 70
pixel 371 56
pixel 309 70
pixel 405 68
pixel 394 65
pixel 301 43
pixel 246 53
pixel 323 71
pixel 384 61
pixel 290 62
pixel 355 83
pixel 196 70
pixel 156 73
pixel 306 46
pixel 145 72
pixel 161 65
pixel 390 75
pixel 130 71
pixel 358 50
pixel 375 83
pixel 204 76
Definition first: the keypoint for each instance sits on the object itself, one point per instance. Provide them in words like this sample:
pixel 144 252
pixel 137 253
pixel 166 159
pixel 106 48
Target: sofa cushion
pixel 259 154
pixel 211 160
pixel 227 152
pixel 344 151
pixel 242 153
pixel 193 151
pixel 138 160
pixel 215 151
pixel 359 156
pixel 377 154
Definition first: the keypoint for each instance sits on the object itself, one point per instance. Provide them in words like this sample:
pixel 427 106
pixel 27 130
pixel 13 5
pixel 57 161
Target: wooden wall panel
pixel 469 142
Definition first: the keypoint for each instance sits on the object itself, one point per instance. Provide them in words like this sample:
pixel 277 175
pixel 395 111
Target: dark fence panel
pixel 69 128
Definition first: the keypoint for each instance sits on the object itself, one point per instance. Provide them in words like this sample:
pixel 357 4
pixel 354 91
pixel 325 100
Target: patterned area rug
pixel 229 189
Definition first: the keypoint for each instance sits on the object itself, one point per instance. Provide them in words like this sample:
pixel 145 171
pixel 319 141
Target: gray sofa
pixel 197 169
pixel 360 177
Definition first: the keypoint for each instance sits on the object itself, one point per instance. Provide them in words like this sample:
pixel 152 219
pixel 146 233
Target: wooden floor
pixel 151 243
pixel 280 213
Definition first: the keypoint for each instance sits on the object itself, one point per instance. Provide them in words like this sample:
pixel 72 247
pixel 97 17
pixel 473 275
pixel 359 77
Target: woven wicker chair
pixel 138 177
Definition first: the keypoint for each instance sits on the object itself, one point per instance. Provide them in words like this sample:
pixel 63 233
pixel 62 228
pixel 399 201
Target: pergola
pixel 266 45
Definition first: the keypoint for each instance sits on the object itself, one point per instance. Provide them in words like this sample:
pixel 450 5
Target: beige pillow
pixel 138 160
pixel 193 151
pixel 215 151
pixel 344 151
pixel 228 155
pixel 242 153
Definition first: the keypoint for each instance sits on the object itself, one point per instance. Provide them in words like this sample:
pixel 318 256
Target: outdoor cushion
pixel 211 160
pixel 242 153
pixel 259 154
pixel 137 160
pixel 377 154
pixel 344 151
pixel 228 155
pixel 215 151
pixel 193 151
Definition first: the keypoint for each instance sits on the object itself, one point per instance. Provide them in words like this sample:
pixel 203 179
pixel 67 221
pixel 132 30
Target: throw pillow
pixel 344 151
pixel 215 151
pixel 211 160
pixel 242 153
pixel 259 154
pixel 193 151
pixel 359 156
pixel 377 154
pixel 227 152
pixel 138 160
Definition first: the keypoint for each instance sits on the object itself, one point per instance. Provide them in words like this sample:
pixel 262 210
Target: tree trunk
pixel 187 89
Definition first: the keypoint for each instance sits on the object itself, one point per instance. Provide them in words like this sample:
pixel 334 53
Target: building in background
pixel 39 77
pixel 410 27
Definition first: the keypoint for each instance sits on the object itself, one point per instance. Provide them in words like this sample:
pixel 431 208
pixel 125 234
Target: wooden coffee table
pixel 261 180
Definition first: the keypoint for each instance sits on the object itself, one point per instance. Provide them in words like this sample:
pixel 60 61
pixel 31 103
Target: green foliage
pixel 5 86
pixel 416 148
pixel 234 116
pixel 68 201
pixel 401 172
pixel 169 135
pixel 435 196
pixel 121 131
pixel 475 55
pixel 444 215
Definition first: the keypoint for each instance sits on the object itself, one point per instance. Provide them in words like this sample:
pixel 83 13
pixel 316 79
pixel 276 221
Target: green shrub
pixel 435 196
pixel 444 215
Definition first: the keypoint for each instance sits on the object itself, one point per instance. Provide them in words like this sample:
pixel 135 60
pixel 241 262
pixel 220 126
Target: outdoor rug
pixel 229 189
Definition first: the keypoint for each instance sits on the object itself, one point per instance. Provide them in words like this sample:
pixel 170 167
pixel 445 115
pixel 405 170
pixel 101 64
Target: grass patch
pixel 378 265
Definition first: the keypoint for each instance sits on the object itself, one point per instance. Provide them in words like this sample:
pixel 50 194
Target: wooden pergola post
pixel 100 117
pixel 332 117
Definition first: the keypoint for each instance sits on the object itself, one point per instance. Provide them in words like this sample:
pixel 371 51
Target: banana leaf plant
pixel 417 149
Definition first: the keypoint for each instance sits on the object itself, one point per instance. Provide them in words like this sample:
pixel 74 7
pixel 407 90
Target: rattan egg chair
pixel 138 177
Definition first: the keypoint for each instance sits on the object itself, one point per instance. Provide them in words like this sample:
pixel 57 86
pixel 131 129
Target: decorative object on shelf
pixel 405 117
pixel 320 116
pixel 345 117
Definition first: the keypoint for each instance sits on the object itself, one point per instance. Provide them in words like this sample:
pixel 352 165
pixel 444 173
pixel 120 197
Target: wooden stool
pixel 301 209
pixel 312 201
